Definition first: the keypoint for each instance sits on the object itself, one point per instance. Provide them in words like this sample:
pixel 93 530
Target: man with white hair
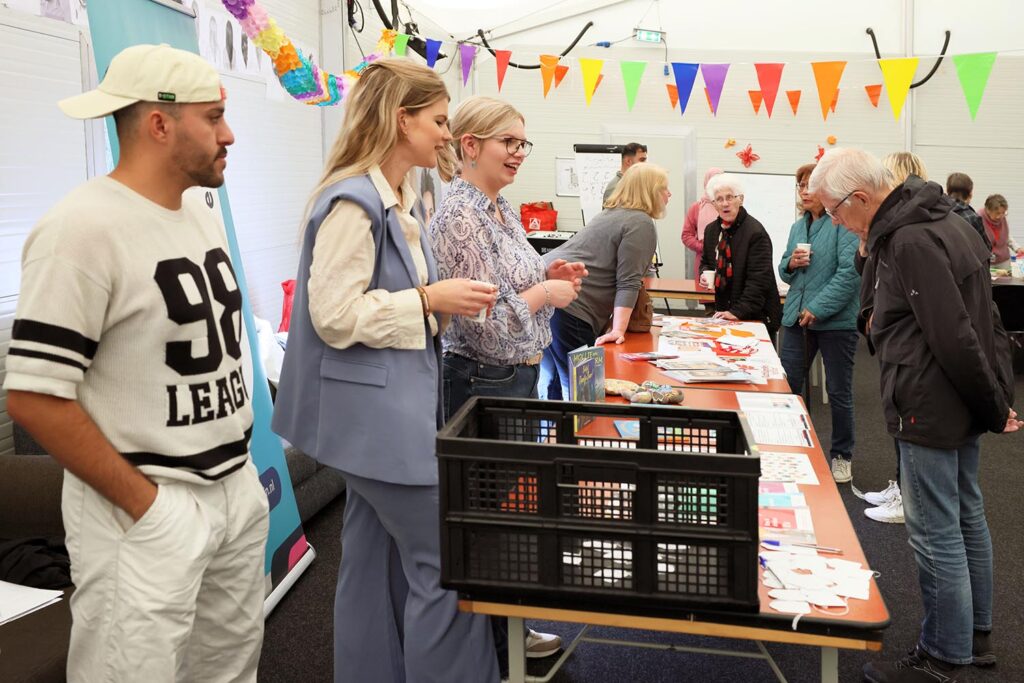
pixel 945 380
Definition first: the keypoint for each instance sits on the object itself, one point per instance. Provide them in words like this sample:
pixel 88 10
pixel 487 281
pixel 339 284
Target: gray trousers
pixel 393 623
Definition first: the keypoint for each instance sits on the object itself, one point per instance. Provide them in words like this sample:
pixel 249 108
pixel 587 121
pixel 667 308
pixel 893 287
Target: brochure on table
pixel 709 350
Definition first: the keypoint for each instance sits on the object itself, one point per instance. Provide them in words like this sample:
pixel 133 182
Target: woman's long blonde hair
pixel 640 188
pixel 369 131
pixel 903 164
pixel 482 117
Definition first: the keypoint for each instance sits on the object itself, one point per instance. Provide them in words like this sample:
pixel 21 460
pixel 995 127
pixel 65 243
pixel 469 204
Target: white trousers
pixel 176 596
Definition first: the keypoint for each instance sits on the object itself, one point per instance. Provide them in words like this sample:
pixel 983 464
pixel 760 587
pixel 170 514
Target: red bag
pixel 538 216
pixel 286 305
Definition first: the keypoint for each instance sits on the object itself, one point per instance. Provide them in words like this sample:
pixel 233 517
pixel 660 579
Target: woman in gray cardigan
pixel 617 247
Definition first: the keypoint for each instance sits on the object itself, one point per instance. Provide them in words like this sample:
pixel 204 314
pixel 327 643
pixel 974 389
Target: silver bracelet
pixel 547 293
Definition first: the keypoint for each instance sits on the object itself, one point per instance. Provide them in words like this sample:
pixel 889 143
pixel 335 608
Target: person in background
pixel 617 246
pixel 476 234
pixel 700 214
pixel 993 216
pixel 821 314
pixel 960 189
pixel 633 153
pixel 360 388
pixel 119 368
pixel 946 379
pixel 888 503
pixel 739 250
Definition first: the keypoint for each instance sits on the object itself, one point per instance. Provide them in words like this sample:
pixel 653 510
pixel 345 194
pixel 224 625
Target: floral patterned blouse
pixel 470 242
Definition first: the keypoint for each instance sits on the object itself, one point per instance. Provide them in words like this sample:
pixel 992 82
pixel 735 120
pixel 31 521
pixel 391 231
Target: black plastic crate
pixel 546 502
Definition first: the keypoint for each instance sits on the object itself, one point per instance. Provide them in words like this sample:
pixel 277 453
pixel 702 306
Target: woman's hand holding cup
pixel 461 296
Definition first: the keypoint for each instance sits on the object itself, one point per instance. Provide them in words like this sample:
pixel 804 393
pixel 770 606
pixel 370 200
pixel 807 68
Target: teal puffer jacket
pixel 829 287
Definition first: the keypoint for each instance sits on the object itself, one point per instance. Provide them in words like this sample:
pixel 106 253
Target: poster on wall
pixel 114 25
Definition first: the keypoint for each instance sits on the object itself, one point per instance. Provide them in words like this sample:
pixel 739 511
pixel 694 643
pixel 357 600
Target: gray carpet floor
pixel 298 646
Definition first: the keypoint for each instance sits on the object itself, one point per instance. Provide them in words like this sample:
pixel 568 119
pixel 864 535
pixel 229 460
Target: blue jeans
pixel 837 350
pixel 945 518
pixel 568 333
pixel 465 378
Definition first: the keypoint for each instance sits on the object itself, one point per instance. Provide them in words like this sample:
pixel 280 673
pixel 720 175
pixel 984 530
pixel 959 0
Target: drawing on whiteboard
pixel 567 182
pixel 596 165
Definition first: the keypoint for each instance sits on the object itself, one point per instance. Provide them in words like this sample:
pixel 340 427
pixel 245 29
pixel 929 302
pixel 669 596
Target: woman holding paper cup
pixel 738 250
pixel 477 235
pixel 617 246
pixel 821 313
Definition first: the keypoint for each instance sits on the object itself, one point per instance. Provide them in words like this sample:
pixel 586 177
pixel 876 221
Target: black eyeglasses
pixel 513 145
pixel 832 212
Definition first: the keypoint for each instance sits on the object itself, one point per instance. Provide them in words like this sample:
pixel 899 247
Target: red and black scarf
pixel 723 268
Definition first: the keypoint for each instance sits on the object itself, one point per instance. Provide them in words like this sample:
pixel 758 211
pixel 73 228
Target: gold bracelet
pixel 424 301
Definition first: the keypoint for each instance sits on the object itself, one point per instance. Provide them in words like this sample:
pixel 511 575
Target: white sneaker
pixel 541 644
pixel 879 498
pixel 842 470
pixel 890 513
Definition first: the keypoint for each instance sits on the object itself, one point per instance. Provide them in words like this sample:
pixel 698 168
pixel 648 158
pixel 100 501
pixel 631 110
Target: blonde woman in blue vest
pixel 359 390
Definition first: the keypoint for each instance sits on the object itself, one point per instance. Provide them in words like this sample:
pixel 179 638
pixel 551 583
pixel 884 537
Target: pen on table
pixel 764 565
pixel 823 548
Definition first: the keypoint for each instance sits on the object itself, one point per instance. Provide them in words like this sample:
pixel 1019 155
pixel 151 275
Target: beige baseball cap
pixel 148 73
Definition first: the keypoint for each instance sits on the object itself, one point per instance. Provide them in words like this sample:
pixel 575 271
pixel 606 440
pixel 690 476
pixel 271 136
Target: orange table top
pixel 681 288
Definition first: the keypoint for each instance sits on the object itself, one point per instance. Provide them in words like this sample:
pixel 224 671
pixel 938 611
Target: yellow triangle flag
pixel 591 69
pixel 548 63
pixel 898 74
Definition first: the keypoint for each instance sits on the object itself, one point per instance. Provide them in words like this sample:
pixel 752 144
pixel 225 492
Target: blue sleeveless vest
pixel 371 412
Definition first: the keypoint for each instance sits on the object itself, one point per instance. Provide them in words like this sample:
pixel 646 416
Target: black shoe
pixel 982 651
pixel 917 667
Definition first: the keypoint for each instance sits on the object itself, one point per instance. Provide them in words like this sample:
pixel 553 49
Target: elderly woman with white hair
pixel 739 251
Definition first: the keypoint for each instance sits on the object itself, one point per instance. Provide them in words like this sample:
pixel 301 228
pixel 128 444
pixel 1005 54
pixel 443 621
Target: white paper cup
pixel 806 246
pixel 482 315
pixel 707 279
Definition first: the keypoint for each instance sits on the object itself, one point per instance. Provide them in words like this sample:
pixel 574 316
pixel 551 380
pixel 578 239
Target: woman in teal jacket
pixel 821 314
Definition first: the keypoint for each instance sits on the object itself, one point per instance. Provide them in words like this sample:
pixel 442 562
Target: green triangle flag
pixel 401 42
pixel 631 74
pixel 974 71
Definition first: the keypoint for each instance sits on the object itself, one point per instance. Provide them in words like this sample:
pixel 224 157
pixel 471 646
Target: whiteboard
pixel 566 181
pixel 771 199
pixel 596 165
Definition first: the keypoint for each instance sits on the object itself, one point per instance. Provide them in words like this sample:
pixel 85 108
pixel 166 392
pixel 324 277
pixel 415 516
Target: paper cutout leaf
pixel 768 77
pixel 873 92
pixel 898 74
pixel 827 76
pixel 973 71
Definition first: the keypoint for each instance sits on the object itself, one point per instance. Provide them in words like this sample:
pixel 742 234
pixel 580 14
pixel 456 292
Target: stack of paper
pixel 17 601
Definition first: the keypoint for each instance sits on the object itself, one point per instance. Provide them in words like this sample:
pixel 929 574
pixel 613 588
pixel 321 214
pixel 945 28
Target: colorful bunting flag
pixel 547 70
pixel 707 96
pixel 631 75
pixel 501 58
pixel 873 92
pixel 756 96
pixel 468 54
pixel 433 47
pixel 973 71
pixel 591 69
pixel 794 99
pixel 827 76
pixel 673 94
pixel 898 74
pixel 768 77
pixel 685 74
pixel 401 42
pixel 835 101
pixel 560 72
pixel 714 78
pixel 600 77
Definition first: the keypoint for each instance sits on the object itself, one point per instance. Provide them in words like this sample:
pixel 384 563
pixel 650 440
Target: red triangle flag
pixel 873 92
pixel 600 77
pixel 502 57
pixel 673 94
pixel 768 77
pixel 560 72
pixel 756 96
pixel 794 99
pixel 835 99
pixel 711 108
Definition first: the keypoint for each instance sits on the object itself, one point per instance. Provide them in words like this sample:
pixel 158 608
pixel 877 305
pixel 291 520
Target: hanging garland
pixel 304 80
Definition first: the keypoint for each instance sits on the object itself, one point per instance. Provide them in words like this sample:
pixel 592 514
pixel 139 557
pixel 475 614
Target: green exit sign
pixel 648 36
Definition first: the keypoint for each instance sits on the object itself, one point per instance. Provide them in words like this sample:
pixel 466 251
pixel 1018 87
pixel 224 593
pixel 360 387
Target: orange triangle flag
pixel 873 92
pixel 708 96
pixel 827 75
pixel 560 72
pixel 600 77
pixel 502 57
pixel 835 100
pixel 673 94
pixel 756 96
pixel 548 64
pixel 794 99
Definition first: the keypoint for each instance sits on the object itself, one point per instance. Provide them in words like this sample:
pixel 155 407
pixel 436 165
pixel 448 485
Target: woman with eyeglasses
pixel 821 313
pixel 739 251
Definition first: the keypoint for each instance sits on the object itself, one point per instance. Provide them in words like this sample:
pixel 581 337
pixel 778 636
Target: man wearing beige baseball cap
pixel 126 365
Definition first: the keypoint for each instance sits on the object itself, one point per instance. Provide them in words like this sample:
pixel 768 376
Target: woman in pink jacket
pixel 698 216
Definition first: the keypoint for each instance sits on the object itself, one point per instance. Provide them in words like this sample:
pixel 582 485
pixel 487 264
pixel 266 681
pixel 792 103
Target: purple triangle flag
pixel 433 47
pixel 468 53
pixel 685 75
pixel 714 79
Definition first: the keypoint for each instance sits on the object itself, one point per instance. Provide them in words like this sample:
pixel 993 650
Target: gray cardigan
pixel 617 247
